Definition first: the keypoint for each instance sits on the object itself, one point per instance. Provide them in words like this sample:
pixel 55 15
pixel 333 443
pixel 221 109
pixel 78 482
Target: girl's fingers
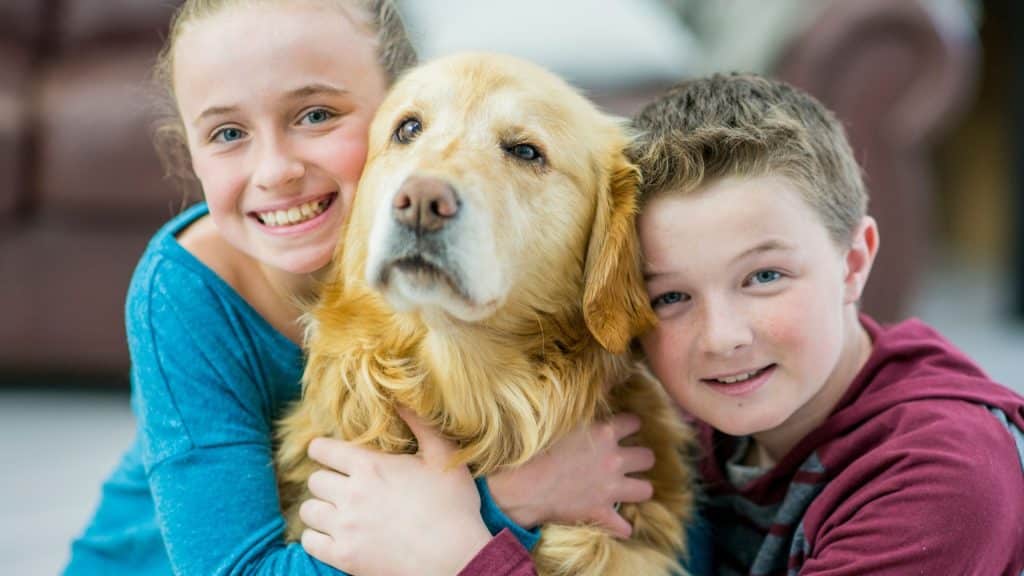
pixel 317 514
pixel 327 485
pixel 625 424
pixel 637 459
pixel 341 456
pixel 317 544
pixel 634 490
pixel 433 448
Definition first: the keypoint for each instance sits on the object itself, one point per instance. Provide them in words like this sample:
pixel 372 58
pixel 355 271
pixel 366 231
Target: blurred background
pixel 925 88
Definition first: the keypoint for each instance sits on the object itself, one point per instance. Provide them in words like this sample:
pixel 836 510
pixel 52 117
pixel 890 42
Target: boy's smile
pixel 758 328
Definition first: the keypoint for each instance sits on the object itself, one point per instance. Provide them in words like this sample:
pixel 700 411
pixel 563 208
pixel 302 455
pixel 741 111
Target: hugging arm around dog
pixel 196 492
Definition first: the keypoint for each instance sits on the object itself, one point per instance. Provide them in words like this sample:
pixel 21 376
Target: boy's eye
pixel 765 276
pixel 228 135
pixel 669 298
pixel 317 115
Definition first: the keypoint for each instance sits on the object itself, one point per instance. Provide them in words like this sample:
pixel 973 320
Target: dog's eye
pixel 408 130
pixel 525 152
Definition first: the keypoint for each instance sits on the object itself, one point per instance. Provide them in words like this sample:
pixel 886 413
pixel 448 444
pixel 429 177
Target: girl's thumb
pixel 434 448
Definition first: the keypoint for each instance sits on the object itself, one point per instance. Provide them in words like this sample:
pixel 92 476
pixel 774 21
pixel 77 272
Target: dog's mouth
pixel 422 273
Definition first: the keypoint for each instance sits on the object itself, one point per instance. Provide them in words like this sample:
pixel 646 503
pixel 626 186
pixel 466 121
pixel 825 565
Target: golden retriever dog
pixel 489 280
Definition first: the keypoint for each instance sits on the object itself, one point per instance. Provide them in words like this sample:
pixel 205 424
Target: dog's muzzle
pixel 424 213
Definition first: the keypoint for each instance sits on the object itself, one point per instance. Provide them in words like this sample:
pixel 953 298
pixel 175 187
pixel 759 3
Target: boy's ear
pixel 859 258
pixel 615 304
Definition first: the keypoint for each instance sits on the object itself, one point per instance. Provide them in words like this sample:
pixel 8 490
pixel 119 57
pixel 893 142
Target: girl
pixel 273 99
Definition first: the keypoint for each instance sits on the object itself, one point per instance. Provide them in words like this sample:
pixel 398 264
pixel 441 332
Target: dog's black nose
pixel 425 204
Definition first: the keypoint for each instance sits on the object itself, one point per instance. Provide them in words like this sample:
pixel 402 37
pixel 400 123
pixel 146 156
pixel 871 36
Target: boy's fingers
pixel 637 459
pixel 336 454
pixel 634 490
pixel 434 448
pixel 625 424
pixel 614 523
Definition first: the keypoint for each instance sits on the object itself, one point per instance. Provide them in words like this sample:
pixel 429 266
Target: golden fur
pixel 503 367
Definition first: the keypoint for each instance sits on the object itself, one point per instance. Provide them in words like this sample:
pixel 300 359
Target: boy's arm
pixel 504 555
pixel 947 498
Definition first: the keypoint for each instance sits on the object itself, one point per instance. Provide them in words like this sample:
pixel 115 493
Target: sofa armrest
pixel 897 73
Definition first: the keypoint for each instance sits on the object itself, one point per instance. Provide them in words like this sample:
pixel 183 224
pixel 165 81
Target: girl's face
pixel 276 102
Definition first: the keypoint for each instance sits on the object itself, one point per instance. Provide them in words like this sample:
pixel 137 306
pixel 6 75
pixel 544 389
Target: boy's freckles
pixel 762 279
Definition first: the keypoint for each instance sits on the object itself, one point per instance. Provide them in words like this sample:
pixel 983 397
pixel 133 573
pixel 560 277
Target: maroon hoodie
pixel 918 470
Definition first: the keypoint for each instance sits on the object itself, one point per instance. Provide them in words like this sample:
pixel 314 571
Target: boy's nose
pixel 277 166
pixel 725 329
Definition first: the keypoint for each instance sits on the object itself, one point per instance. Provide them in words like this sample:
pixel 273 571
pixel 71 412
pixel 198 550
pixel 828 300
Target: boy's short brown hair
pixel 749 126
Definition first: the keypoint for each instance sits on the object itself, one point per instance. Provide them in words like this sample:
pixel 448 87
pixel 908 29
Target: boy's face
pixel 755 302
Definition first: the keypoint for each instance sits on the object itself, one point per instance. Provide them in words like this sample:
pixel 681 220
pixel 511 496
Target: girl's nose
pixel 276 166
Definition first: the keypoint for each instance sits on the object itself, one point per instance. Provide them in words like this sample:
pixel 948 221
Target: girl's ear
pixel 615 305
pixel 859 258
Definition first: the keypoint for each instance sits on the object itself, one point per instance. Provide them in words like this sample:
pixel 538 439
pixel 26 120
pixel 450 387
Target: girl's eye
pixel 317 116
pixel 765 276
pixel 228 135
pixel 525 152
pixel 669 298
pixel 408 130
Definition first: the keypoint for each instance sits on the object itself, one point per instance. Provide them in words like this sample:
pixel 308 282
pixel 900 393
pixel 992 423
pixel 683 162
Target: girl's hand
pixel 579 479
pixel 381 514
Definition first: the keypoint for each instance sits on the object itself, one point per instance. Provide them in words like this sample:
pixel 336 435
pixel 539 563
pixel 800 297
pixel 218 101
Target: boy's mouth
pixel 738 377
pixel 296 214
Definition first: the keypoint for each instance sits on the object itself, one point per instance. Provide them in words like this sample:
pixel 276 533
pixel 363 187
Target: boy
pixel 831 444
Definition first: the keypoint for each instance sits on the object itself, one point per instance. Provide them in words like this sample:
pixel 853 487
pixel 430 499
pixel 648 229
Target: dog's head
pixel 492 185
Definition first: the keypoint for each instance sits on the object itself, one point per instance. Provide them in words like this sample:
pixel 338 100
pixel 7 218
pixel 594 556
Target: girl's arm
pixel 368 505
pixel 207 384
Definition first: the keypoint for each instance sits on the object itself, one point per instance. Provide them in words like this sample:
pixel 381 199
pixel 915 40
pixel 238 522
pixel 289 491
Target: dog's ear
pixel 615 304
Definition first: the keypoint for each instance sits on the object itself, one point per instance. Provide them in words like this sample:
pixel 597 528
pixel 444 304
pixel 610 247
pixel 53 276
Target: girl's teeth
pixel 293 215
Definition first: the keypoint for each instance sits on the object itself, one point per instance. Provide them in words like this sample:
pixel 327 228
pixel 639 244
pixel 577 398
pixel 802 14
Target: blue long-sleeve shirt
pixel 196 493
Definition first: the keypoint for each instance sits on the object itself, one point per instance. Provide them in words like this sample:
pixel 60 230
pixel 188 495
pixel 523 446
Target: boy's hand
pixel 579 479
pixel 381 514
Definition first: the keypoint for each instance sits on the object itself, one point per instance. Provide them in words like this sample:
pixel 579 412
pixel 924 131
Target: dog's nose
pixel 425 204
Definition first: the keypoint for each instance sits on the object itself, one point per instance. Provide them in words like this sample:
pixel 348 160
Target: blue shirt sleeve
pixel 496 520
pixel 205 406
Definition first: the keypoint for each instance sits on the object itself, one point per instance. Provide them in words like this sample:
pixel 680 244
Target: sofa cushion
pixel 13 134
pixel 85 23
pixel 22 20
pixel 95 118
pixel 63 292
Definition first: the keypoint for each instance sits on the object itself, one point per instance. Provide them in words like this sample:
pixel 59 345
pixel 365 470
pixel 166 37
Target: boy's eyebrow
pixel 766 246
pixel 296 94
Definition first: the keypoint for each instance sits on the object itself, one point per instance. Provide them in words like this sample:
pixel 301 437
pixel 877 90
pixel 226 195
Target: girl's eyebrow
pixel 306 91
pixel 215 111
pixel 314 89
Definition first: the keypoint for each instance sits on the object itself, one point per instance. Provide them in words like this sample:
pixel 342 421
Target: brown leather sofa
pixel 81 189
